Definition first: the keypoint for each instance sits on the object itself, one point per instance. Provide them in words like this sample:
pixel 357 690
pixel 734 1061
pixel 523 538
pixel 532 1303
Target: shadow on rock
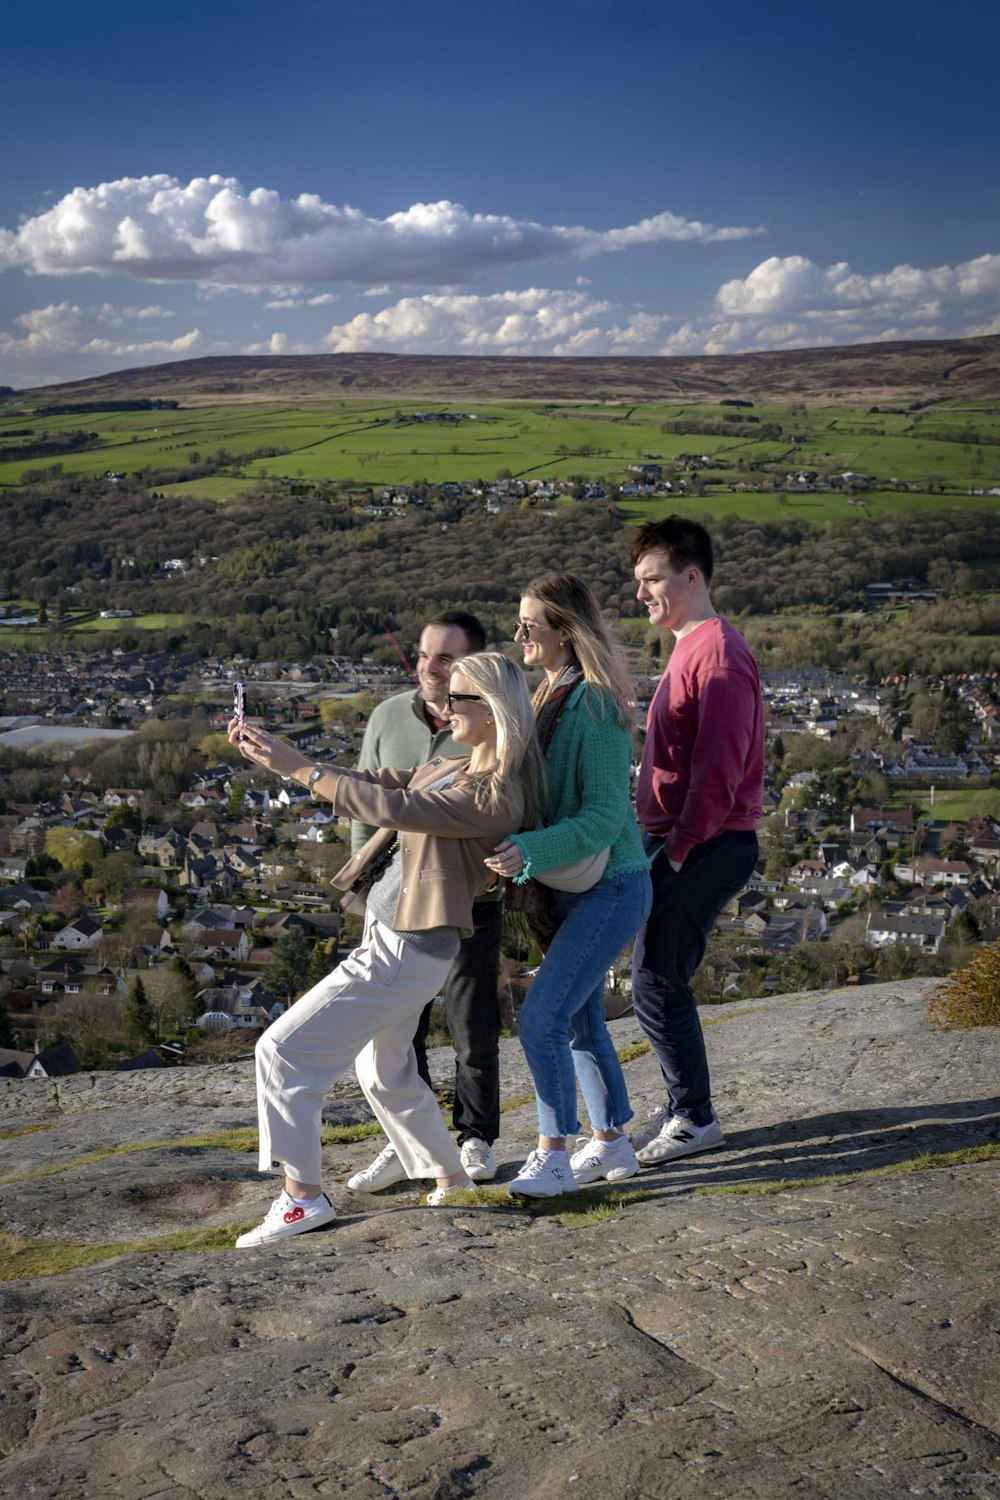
pixel 838 1143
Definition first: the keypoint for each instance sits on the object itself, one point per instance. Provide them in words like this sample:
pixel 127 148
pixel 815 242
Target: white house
pixel 151 901
pixel 928 871
pixel 122 796
pixel 79 936
pixel 230 944
pixel 858 876
pixel 885 930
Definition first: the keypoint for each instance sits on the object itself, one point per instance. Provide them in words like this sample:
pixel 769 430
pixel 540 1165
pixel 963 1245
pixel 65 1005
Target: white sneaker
pixel 478 1160
pixel 608 1160
pixel 660 1117
pixel 439 1195
pixel 545 1174
pixel 384 1171
pixel 286 1217
pixel 680 1138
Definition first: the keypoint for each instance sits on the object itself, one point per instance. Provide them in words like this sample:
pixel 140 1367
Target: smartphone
pixel 240 702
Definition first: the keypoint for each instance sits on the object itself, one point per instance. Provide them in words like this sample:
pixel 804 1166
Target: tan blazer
pixel 444 838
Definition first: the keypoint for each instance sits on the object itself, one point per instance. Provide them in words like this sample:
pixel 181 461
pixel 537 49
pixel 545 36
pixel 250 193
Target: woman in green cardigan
pixel 583 710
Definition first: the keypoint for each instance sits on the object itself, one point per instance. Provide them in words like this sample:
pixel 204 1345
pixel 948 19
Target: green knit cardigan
pixel 586 804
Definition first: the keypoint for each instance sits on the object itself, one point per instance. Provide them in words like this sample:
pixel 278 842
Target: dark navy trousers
pixel 472 1010
pixel 669 949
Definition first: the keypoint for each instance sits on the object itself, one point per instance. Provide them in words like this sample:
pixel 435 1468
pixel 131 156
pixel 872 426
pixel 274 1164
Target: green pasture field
pixel 129 441
pixel 218 487
pixel 138 622
pixel 981 417
pixel 947 805
pixel 909 458
pixel 815 508
pixel 369 443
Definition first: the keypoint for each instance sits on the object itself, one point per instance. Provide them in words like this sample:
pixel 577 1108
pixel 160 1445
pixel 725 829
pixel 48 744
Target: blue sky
pixel 558 177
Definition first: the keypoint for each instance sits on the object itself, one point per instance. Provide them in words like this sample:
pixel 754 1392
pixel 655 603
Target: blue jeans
pixel 562 1026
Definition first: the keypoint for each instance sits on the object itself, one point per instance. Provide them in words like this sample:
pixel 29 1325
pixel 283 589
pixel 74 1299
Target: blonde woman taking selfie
pixel 416 878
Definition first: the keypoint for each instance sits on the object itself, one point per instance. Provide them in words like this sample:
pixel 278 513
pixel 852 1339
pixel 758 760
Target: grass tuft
pixel 633 1050
pixel 580 1209
pixel 343 1135
pixel 575 1210
pixel 928 1161
pixel 518 1102
pixel 243 1139
pixel 10 1135
pixel 21 1257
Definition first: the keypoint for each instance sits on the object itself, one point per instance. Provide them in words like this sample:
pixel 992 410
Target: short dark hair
pixel 473 629
pixel 686 543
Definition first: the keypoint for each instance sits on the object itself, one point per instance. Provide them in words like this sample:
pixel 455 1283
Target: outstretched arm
pixel 381 798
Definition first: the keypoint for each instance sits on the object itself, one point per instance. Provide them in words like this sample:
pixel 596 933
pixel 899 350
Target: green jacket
pixel 586 803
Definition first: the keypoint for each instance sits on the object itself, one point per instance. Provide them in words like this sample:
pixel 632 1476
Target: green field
pixel 815 508
pixel 212 487
pixel 947 805
pixel 379 444
pixel 138 622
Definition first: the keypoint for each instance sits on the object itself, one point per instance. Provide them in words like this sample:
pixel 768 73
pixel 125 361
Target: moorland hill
pixel 923 371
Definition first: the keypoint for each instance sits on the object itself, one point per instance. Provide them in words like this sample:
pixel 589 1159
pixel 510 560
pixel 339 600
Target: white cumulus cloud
pixel 211 231
pixel 62 339
pixel 789 302
pixel 535 321
pixel 64 328
pixel 278 343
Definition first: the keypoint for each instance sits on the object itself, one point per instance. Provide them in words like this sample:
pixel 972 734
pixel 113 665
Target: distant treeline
pixel 87 407
pixel 963 435
pixel 48 447
pixel 712 427
pixel 276 575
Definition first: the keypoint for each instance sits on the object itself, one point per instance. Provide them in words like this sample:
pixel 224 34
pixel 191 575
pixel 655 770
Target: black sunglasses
pixel 454 698
pixel 525 628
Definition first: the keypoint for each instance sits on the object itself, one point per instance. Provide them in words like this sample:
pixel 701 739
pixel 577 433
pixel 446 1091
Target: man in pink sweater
pixel 701 781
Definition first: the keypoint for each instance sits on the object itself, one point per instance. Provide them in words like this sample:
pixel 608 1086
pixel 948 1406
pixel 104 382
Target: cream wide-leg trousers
pixel 364 1012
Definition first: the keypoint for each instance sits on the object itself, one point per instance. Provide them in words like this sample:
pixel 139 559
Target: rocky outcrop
pixel 808 1313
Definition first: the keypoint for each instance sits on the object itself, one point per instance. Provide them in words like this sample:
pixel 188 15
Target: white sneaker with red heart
pixel 286 1217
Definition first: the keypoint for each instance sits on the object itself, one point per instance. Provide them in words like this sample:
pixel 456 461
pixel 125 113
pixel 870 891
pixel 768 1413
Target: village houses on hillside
pixel 231 874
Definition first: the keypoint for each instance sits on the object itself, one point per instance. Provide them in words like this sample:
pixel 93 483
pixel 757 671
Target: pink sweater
pixel 702 769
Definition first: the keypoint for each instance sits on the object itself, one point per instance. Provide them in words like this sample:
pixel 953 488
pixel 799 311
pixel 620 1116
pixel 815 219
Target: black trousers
pixel 472 1010
pixel 669 949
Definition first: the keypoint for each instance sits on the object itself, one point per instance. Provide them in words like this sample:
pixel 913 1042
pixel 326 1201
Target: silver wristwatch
pixel 313 777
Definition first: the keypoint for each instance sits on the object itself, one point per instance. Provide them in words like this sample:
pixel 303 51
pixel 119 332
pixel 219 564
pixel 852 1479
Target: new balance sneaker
pixel 545 1174
pixel 383 1172
pixel 679 1137
pixel 439 1195
pixel 478 1160
pixel 652 1127
pixel 610 1161
pixel 286 1217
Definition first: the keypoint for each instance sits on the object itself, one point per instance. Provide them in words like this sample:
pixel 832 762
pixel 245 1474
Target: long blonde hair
pixel 570 607
pixel 505 691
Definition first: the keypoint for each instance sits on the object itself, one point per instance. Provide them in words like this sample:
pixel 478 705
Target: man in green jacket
pixel 407 730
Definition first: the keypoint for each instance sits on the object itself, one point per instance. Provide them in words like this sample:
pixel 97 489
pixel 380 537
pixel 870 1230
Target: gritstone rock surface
pixel 837 1338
